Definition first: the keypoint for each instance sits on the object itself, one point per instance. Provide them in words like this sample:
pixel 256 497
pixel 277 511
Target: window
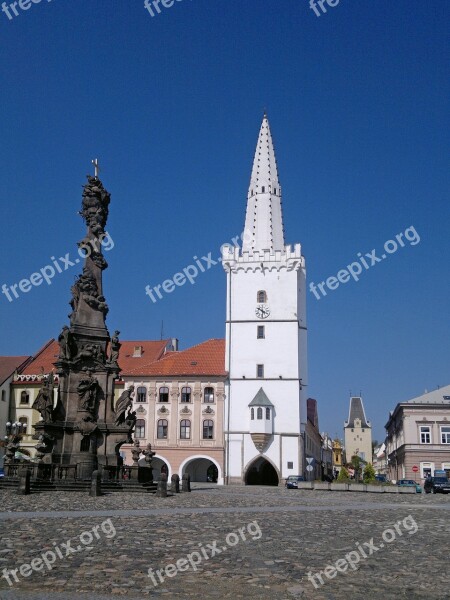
pixel 85 444
pixel 141 394
pixel 263 189
pixel 252 414
pixel 186 394
pixel 24 421
pixel 290 465
pixel 208 395
pixel 259 371
pixel 274 190
pixel 261 296
pixel 3 396
pixel 425 434
pixel 260 334
pixel 445 435
pixel 267 414
pixel 139 431
pixel 185 429
pixel 164 394
pixel 24 398
pixel 208 430
pixel 427 469
pixel 259 413
pixel 163 426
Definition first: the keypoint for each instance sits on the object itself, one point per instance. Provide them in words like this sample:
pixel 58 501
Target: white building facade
pixel 266 337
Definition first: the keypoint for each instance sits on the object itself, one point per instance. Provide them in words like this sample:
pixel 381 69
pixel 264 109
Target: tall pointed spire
pixel 264 219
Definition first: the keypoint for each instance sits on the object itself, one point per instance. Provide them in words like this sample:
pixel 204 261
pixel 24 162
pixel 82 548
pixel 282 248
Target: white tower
pixel 265 337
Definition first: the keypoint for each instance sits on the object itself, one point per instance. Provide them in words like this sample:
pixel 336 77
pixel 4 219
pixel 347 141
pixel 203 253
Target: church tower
pixel 266 351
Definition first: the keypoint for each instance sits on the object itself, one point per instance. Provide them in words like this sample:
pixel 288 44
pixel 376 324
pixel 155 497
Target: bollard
pixel 175 486
pixel 96 484
pixel 161 490
pixel 186 485
pixel 24 482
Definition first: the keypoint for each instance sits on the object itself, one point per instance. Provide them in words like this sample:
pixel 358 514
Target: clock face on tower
pixel 262 311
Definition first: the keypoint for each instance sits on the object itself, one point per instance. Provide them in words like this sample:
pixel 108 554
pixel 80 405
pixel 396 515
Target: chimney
pixel 175 344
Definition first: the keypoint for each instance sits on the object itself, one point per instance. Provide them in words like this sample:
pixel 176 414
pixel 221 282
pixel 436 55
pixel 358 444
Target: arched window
pixel 24 421
pixel 208 430
pixel 208 395
pixel 185 429
pixel 141 394
pixel 24 398
pixel 164 394
pixel 85 444
pixel 261 296
pixel 267 413
pixel 163 426
pixel 259 413
pixel 186 394
pixel 252 413
pixel 139 431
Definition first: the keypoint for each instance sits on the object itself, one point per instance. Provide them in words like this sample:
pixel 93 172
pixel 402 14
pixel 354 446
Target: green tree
pixel 369 473
pixel 343 475
pixel 356 463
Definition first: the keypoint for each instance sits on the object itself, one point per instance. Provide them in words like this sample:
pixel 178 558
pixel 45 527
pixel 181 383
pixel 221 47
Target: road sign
pixel 415 469
pixel 310 460
pixel 309 468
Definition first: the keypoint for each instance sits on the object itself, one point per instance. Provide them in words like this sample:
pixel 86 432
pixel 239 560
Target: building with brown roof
pixel 179 401
pixel 8 366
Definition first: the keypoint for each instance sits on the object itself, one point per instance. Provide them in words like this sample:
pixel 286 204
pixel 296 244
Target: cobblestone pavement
pixel 288 535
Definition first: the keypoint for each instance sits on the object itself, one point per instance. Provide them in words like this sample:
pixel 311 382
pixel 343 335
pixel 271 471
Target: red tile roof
pixel 207 358
pixel 151 351
pixel 8 364
pixel 43 360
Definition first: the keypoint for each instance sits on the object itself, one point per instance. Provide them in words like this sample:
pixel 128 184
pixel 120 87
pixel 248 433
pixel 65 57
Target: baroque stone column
pixel 84 427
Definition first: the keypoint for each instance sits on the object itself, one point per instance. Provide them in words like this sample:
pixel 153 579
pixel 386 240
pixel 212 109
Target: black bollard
pixel 186 485
pixel 161 490
pixel 96 484
pixel 175 485
pixel 24 482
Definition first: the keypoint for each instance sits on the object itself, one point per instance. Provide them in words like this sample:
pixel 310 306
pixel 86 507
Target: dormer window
pixel 137 352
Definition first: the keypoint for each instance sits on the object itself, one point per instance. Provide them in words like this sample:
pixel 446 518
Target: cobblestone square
pixel 396 545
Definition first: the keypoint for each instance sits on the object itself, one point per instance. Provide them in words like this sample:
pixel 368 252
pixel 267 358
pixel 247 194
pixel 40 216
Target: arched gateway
pixel 261 472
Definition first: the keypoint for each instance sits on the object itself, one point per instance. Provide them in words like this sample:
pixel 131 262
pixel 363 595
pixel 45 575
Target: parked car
pixel 2 473
pixel 381 478
pixel 435 485
pixel 410 483
pixel 292 481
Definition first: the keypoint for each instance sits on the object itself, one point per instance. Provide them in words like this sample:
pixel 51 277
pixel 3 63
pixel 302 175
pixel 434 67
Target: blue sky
pixel 172 107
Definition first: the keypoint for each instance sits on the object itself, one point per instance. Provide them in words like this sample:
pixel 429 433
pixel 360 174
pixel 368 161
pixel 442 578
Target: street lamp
pixel 14 432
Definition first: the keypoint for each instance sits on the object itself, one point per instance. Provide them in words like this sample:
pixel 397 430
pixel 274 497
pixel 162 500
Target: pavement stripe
pixel 214 510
